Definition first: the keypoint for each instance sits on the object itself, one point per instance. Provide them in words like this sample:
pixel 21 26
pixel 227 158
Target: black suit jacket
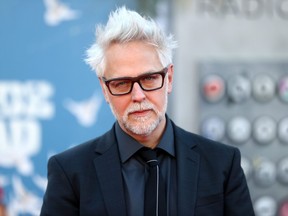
pixel 87 179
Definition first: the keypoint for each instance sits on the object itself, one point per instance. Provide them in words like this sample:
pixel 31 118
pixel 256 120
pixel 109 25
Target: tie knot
pixel 149 156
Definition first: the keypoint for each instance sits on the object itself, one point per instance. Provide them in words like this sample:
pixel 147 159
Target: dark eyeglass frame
pixel 137 79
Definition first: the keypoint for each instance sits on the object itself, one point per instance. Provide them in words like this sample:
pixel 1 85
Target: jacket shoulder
pixel 86 150
pixel 202 144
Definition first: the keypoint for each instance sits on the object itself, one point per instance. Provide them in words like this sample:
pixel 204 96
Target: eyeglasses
pixel 148 82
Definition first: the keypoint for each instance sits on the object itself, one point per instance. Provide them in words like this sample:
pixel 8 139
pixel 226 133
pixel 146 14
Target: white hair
pixel 124 26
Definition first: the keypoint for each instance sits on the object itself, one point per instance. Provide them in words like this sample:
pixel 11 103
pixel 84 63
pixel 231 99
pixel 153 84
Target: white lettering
pixel 250 9
pixel 22 105
pixel 29 99
pixel 19 135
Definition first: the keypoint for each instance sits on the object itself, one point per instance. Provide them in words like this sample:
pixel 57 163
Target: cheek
pixel 159 100
pixel 119 105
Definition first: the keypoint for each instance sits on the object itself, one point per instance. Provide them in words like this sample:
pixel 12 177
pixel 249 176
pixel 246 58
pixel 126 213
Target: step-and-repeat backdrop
pixel 50 100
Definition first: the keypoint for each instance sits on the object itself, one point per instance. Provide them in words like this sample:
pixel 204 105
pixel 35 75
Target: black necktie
pixel 155 196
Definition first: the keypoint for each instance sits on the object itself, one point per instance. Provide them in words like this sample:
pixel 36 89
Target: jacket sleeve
pixel 237 197
pixel 59 198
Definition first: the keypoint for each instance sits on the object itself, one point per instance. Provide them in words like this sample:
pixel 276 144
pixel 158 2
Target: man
pixel 109 175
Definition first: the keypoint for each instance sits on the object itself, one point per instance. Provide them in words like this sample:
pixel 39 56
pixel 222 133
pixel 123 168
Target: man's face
pixel 139 113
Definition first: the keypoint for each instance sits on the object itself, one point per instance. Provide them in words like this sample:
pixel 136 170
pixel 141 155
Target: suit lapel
pixel 187 172
pixel 108 169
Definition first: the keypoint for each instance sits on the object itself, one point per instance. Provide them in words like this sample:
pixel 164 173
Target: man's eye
pixel 119 84
pixel 151 77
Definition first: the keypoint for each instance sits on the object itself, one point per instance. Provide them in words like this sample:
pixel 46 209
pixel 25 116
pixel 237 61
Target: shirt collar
pixel 128 146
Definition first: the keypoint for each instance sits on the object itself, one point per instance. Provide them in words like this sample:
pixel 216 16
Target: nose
pixel 137 93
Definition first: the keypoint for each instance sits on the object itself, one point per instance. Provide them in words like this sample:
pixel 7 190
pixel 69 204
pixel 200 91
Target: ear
pixel 170 74
pixel 104 89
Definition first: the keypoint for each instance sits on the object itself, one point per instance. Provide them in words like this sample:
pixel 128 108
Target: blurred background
pixel 231 85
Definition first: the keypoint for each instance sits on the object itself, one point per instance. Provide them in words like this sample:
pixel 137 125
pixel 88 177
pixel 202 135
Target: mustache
pixel 139 107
